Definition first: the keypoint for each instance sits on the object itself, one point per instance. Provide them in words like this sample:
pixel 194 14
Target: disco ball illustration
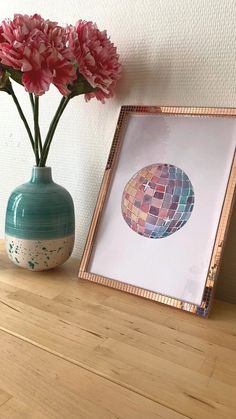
pixel 157 201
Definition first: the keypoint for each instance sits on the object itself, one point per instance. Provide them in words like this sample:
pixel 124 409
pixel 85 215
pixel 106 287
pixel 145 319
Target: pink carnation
pixel 96 57
pixel 37 47
pixel 1 32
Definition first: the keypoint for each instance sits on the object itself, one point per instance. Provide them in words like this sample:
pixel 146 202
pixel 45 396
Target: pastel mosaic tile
pixel 157 201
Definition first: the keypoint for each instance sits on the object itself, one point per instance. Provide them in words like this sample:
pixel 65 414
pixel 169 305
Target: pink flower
pixel 1 32
pixel 37 48
pixel 96 57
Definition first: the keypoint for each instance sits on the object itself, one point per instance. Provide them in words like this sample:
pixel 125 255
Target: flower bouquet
pixel 76 59
pixel 80 59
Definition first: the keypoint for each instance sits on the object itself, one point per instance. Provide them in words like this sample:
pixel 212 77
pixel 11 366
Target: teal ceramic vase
pixel 40 223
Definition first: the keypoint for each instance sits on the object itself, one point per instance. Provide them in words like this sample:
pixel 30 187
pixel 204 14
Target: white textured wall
pixel 175 52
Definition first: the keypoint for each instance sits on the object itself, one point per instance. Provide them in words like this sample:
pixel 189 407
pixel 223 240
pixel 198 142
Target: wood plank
pixel 223 316
pixel 182 364
pixel 171 373
pixel 47 283
pixel 45 386
pixel 154 338
pixel 15 409
pixel 4 397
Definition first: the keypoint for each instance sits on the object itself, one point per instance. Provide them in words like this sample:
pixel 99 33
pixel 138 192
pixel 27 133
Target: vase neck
pixel 41 175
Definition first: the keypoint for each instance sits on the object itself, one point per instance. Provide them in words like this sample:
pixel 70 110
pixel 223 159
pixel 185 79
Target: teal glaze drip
pixel 40 209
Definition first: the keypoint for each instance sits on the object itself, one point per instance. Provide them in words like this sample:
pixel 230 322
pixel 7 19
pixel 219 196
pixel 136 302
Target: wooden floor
pixel 72 349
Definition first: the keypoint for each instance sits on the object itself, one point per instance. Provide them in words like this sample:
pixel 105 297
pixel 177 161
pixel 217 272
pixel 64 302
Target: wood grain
pixel 74 349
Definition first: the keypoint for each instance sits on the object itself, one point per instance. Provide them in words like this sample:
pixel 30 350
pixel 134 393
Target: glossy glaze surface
pixel 40 209
pixel 40 223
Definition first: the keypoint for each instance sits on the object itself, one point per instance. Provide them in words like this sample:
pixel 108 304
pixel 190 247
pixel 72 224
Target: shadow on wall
pixel 169 76
pixel 143 82
pixel 87 203
pixel 226 285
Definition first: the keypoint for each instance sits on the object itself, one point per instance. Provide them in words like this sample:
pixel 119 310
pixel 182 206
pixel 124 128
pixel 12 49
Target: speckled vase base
pixel 39 255
pixel 40 223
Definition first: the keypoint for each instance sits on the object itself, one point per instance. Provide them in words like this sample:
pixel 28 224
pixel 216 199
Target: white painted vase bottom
pixel 39 255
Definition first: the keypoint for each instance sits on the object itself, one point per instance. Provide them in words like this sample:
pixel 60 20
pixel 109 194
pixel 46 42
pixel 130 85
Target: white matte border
pixel 177 265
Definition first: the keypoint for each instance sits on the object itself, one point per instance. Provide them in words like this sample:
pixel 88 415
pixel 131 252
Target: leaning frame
pixel 203 308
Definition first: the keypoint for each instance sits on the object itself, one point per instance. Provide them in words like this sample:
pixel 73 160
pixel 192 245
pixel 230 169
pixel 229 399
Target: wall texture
pixel 174 52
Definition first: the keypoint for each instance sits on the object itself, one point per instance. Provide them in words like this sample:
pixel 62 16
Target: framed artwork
pixel 163 209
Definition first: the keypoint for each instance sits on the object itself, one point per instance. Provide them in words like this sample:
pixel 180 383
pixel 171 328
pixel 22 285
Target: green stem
pixel 32 100
pixel 22 116
pixel 36 129
pixel 40 143
pixel 39 133
pixel 63 103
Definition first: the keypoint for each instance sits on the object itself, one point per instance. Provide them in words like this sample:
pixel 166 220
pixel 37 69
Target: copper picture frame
pixel 201 139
